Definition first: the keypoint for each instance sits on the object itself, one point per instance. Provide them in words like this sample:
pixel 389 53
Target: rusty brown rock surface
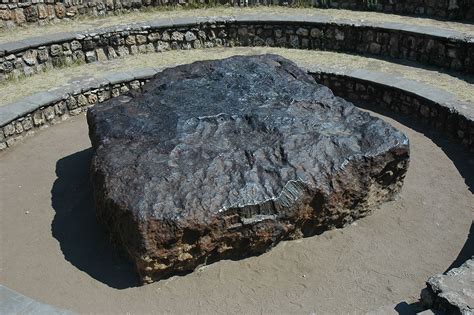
pixel 224 159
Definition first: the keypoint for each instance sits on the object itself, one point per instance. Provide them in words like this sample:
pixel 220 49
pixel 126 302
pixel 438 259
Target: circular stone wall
pixel 42 11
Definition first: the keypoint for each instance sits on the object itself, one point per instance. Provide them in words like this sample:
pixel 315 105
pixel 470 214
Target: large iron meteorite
pixel 224 159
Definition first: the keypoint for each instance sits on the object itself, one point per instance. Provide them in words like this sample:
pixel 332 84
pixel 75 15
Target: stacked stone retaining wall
pixel 433 109
pixel 20 12
pixel 444 49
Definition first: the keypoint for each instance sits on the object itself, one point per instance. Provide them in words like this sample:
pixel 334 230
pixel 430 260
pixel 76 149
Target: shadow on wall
pixel 82 240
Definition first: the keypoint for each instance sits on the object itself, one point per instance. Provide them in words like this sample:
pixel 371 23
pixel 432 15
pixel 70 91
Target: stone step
pixel 437 47
pixel 40 12
pixel 12 302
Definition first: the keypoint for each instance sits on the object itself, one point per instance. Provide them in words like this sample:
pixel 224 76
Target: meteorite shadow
pixel 466 252
pixel 462 160
pixel 82 240
pixel 464 163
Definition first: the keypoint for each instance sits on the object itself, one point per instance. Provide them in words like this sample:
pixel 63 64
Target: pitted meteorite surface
pixel 223 159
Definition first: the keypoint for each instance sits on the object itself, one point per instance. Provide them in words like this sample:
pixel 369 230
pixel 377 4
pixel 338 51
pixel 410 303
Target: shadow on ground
pixel 82 240
pixel 457 153
pixel 403 308
pixel 467 252
pixel 415 64
pixel 463 161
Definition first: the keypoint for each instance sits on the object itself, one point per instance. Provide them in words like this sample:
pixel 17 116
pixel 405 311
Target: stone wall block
pixel 71 103
pixel 162 46
pixel 91 57
pixel 75 45
pixel 82 100
pixel 116 40
pixel 27 123
pixel 141 39
pixel 103 96
pixel 30 57
pixel 101 57
pixel 92 98
pixel 42 54
pixel 9 130
pixel 89 44
pixel 130 40
pixel 302 32
pixel 134 50
pixel 42 11
pixel 123 51
pixel 18 127
pixel 38 118
pixel 56 50
pixel 135 85
pixel 294 41
pixel 190 36
pixel 177 36
pixel 19 17
pixel 31 13
pixel 60 108
pixel 49 113
pixel 153 37
pixel 375 48
pixel 60 10
pixel 79 56
pixel 5 14
pixel 165 36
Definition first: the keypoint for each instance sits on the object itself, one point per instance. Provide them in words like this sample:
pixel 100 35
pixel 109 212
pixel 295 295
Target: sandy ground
pixel 461 86
pixel 53 250
pixel 85 22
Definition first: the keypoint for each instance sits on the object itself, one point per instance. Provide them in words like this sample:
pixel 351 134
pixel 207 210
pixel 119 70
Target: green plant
pixel 371 4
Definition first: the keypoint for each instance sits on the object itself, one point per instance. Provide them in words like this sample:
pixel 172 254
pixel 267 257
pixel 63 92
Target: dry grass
pixel 83 23
pixel 14 90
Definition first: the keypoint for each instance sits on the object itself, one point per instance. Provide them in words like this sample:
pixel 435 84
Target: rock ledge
pixel 453 292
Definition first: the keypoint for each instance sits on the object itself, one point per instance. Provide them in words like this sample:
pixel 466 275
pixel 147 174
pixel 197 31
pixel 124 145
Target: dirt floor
pixel 85 22
pixel 461 86
pixel 53 250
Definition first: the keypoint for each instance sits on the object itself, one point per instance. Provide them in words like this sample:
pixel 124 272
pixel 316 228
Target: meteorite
pixel 224 159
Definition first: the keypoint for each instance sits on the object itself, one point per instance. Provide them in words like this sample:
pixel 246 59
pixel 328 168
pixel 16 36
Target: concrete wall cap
pixel 34 42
